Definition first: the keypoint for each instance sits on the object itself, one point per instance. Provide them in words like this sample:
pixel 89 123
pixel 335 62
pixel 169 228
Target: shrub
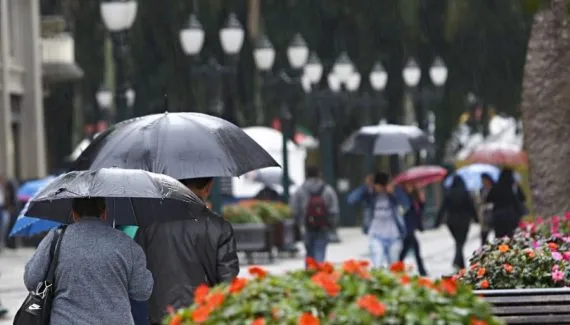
pixel 322 294
pixel 240 215
pixel 538 256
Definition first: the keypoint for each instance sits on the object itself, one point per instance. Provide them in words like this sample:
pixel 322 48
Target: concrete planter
pixel 251 238
pixel 530 306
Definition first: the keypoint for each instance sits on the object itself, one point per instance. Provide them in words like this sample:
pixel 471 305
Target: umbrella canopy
pixel 28 226
pixel 386 139
pixel 498 154
pixel 422 175
pixel 268 176
pixel 471 175
pixel 138 197
pixel 29 189
pixel 180 145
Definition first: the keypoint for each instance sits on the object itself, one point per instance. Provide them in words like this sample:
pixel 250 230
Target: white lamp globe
pixel 118 15
pixel 314 68
pixel 232 35
pixel 378 77
pixel 438 72
pixel 343 67
pixel 264 53
pixel 412 73
pixel 353 82
pixel 104 97
pixel 297 52
pixel 192 36
pixel 130 96
pixel 334 82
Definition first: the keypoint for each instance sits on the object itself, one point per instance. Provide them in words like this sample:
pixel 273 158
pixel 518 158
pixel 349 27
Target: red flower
pixel 355 267
pixel 481 272
pixel 398 267
pixel 237 285
pixel 201 314
pixel 327 281
pixel 200 293
pixel 308 319
pixel 311 264
pixel 475 321
pixel 484 284
pixel 448 286
pixel 215 300
pixel 371 304
pixel 176 320
pixel 258 321
pixel 508 268
pixel 257 271
pixel 326 267
pixel 553 246
pixel 405 279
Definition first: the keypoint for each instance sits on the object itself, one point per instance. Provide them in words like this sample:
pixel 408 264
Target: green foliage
pixel 351 295
pixel 240 215
pixel 256 211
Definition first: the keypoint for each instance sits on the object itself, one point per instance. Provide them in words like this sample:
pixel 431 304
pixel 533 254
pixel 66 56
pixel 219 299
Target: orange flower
pixel 308 319
pixel 461 272
pixel 503 248
pixel 257 271
pixel 176 320
pixel 275 313
pixel 474 266
pixel 405 279
pixel 327 281
pixel 355 267
pixel 237 285
pixel 475 321
pixel 508 268
pixel 425 282
pixel 215 300
pixel 311 264
pixel 530 253
pixel 481 272
pixel 553 246
pixel 371 304
pixel 258 321
pixel 364 263
pixel 398 267
pixel 448 286
pixel 200 293
pixel 201 314
pixel 484 284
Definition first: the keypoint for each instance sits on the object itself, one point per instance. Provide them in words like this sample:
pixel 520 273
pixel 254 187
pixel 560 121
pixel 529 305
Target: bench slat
pixel 524 300
pixel 542 319
pixel 531 310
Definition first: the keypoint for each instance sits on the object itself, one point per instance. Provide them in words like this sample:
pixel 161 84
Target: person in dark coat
pixel 185 254
pixel 413 219
pixel 485 208
pixel 460 210
pixel 508 202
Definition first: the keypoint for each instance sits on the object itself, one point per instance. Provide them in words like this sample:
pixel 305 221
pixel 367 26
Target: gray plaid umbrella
pixel 386 139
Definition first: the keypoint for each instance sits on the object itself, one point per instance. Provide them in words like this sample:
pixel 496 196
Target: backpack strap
pixel 319 191
pixel 54 253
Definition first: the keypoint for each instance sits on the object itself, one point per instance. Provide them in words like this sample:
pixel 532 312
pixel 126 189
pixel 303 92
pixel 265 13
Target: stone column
pixel 6 148
pixel 32 130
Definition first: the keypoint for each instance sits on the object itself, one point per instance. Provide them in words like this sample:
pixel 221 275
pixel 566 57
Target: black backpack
pixel 316 212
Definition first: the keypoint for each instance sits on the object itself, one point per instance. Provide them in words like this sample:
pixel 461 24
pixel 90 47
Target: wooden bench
pixel 530 306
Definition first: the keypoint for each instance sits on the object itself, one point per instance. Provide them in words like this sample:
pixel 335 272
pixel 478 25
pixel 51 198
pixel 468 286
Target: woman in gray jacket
pixel 98 269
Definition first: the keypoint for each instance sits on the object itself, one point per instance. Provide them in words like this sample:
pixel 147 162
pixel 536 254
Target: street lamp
pixel 104 97
pixel 192 38
pixel 297 55
pixel 438 72
pixel 118 16
pixel 378 77
pixel 412 74
pixel 313 69
pixel 343 67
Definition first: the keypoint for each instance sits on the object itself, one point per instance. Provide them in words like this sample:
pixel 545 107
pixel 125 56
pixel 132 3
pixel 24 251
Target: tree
pixel 546 108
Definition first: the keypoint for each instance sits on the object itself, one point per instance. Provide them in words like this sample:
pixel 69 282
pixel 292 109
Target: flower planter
pixel 530 306
pixel 284 234
pixel 252 238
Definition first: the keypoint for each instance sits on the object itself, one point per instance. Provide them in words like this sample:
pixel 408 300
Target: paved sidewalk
pixel 437 249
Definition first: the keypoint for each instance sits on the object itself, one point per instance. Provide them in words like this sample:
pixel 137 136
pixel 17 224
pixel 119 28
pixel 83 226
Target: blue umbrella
pixel 472 175
pixel 28 226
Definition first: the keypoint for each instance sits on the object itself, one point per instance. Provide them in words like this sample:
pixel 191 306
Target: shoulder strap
pixel 319 191
pixel 54 253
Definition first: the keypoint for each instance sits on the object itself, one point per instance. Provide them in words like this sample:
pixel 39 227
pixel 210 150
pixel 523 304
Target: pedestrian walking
pixel 458 210
pixel 508 201
pixel 413 219
pixel 387 230
pixel 185 254
pixel 485 208
pixel 315 205
pixel 363 195
pixel 99 268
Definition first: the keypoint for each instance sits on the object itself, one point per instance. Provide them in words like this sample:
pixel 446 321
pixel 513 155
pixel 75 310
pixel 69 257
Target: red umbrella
pixel 422 175
pixel 498 154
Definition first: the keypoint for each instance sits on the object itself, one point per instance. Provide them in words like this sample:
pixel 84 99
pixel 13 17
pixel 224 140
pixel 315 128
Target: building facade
pixel 22 130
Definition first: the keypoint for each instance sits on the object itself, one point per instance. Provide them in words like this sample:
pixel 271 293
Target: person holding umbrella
pixel 508 201
pixel 413 220
pixel 98 269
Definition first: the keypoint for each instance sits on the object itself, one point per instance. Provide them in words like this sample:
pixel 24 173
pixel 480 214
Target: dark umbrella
pixel 133 197
pixel 180 145
pixel 386 139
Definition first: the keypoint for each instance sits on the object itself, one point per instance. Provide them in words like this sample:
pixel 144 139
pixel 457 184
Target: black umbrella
pixel 386 139
pixel 180 145
pixel 133 197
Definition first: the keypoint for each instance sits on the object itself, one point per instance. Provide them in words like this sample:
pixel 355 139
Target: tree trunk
pixel 546 109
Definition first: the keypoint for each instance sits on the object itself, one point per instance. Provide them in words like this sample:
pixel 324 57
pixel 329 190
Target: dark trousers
pixel 459 232
pixel 139 309
pixel 316 244
pixel 484 236
pixel 412 242
pixel 505 222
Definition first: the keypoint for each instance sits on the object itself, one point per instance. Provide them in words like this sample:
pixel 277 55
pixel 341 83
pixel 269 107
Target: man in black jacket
pixel 184 254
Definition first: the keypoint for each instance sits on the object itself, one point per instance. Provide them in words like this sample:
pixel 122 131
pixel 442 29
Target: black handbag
pixel 36 309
